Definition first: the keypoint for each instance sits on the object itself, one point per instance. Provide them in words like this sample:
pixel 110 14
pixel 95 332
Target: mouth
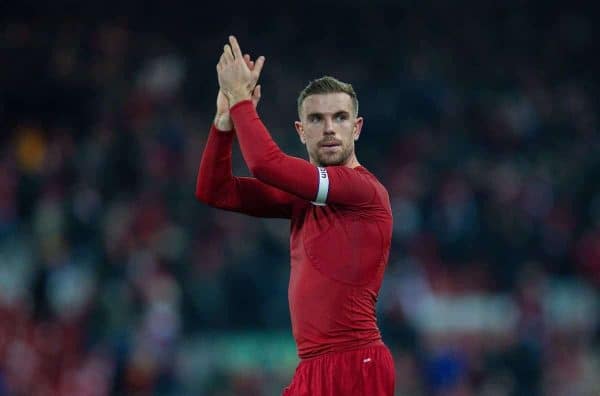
pixel 330 144
pixel 330 148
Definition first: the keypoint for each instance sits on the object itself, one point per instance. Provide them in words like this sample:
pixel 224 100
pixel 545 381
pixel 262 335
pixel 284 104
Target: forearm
pixel 264 158
pixel 215 179
pixel 216 185
pixel 336 184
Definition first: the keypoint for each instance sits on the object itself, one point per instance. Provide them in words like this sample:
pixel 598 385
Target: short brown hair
pixel 325 85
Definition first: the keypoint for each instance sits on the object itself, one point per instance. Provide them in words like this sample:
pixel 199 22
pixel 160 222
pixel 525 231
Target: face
pixel 328 128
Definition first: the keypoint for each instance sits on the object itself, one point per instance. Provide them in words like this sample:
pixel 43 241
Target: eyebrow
pixel 339 112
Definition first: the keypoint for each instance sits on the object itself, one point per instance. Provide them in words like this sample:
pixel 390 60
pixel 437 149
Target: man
pixel 341 223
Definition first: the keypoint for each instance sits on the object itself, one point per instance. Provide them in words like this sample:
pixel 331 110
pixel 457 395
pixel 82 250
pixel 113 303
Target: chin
pixel 331 161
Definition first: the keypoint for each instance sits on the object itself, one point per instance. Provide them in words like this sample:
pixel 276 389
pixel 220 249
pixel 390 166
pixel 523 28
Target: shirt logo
pixel 322 173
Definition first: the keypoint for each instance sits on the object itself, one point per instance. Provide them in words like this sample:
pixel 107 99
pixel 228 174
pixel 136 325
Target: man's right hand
pixel 222 119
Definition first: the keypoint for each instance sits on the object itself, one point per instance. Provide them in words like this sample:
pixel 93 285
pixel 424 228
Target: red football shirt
pixel 341 227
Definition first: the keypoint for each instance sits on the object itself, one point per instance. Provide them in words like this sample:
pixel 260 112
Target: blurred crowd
pixel 481 120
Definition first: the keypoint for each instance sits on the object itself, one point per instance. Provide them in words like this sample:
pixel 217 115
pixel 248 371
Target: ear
pixel 300 130
pixel 358 124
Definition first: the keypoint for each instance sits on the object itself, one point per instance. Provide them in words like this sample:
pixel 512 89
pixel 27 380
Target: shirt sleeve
pixel 266 161
pixel 216 185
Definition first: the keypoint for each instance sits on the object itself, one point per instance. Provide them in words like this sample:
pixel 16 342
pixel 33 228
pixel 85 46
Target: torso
pixel 338 257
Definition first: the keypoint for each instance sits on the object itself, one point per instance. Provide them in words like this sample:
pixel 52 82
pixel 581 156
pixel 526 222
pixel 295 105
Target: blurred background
pixel 481 120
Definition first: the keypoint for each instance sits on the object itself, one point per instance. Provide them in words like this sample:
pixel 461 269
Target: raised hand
pixel 237 74
pixel 222 119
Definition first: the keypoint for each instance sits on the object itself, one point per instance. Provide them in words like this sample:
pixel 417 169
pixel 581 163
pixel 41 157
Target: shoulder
pixel 373 179
pixel 381 198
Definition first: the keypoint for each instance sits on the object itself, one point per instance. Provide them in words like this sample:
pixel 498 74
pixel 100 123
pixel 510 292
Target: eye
pixel 314 118
pixel 341 117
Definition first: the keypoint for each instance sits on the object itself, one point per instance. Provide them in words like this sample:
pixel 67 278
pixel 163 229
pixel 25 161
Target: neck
pixel 352 162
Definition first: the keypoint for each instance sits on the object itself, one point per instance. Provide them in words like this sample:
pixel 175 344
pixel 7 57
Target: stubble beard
pixel 335 159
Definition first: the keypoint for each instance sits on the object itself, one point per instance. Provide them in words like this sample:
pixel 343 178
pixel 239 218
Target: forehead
pixel 327 103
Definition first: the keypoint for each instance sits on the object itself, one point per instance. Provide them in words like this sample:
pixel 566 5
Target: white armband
pixel 323 187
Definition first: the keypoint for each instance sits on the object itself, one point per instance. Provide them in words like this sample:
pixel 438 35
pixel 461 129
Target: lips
pixel 333 143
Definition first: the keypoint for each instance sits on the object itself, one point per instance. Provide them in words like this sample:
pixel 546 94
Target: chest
pixel 344 245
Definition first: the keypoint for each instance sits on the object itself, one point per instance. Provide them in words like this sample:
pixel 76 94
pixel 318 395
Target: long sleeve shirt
pixel 340 231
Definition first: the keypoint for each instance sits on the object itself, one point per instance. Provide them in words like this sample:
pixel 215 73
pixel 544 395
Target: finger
pixel 256 93
pixel 228 54
pixel 222 59
pixel 258 66
pixel 237 52
pixel 248 62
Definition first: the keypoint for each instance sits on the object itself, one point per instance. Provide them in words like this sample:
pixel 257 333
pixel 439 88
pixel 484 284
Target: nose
pixel 328 127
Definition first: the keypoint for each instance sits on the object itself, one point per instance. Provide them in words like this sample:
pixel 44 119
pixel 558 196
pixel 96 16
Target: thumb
pixel 256 95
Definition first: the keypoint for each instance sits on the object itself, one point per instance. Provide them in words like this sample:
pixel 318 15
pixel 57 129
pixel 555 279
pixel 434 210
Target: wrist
pixel 236 97
pixel 223 122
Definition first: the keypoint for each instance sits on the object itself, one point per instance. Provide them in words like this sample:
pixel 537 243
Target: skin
pixel 328 125
pixel 329 128
pixel 236 80
pixel 222 118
